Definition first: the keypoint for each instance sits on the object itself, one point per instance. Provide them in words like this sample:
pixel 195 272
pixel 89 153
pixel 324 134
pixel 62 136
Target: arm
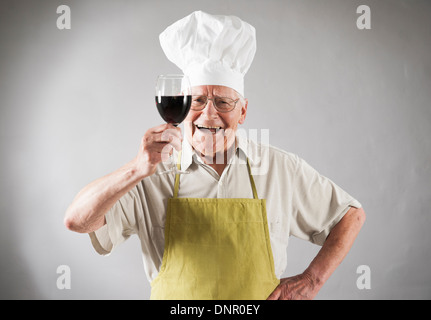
pixel 333 251
pixel 87 211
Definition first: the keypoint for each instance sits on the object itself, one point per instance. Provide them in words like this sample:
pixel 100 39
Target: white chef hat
pixel 211 49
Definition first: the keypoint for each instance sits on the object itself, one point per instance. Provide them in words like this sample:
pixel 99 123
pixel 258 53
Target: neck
pixel 219 168
pixel 219 160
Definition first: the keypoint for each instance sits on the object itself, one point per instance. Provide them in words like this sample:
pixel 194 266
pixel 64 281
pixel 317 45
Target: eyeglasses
pixel 222 104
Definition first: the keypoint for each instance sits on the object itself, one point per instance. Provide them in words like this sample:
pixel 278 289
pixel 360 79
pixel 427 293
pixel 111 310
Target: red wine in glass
pixel 173 100
pixel 174 109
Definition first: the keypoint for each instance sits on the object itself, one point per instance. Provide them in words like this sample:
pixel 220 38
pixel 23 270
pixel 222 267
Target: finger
pixel 159 141
pixel 174 137
pixel 159 128
pixel 160 147
pixel 163 127
pixel 163 148
pixel 166 153
pixel 175 131
pixel 159 153
pixel 175 142
pixel 163 136
pixel 275 295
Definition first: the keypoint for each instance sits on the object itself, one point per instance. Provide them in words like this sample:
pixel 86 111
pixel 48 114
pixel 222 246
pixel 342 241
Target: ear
pixel 243 112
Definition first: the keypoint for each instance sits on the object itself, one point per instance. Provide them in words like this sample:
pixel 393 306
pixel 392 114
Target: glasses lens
pixel 224 104
pixel 199 102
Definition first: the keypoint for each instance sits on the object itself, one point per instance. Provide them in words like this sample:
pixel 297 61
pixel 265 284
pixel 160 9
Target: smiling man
pixel 219 232
pixel 212 130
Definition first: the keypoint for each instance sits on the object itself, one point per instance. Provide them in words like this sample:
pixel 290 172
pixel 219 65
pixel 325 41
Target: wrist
pixel 315 278
pixel 135 170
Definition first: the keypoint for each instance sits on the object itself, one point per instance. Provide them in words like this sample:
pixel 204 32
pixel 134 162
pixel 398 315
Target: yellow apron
pixel 216 249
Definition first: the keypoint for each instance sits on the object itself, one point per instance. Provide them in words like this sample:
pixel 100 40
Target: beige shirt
pixel 300 202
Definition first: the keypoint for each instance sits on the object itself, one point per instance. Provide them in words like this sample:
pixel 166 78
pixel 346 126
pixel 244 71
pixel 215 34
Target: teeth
pixel 204 127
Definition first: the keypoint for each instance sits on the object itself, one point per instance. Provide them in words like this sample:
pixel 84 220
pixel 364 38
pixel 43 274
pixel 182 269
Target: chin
pixel 208 151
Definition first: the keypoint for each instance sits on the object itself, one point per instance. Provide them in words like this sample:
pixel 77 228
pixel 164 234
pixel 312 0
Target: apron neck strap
pixel 177 176
pixel 253 186
pixel 177 179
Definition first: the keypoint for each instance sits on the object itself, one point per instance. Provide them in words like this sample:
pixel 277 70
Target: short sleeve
pixel 121 223
pixel 318 204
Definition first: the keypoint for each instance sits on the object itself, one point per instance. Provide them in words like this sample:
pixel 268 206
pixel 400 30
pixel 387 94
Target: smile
pixel 213 129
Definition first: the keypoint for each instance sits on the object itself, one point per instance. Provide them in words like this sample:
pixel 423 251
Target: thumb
pixel 275 295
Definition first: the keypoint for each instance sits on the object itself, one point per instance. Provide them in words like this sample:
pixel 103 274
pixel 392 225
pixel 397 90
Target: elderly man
pixel 219 232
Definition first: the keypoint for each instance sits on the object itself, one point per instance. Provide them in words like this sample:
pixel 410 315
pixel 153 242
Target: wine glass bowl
pixel 173 100
pixel 173 109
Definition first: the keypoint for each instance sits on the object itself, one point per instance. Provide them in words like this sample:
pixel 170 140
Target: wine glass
pixel 173 101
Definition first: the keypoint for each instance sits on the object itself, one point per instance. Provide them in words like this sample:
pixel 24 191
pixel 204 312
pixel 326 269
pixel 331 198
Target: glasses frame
pixel 214 104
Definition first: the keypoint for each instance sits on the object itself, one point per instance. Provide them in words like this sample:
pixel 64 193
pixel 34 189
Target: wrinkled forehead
pixel 220 91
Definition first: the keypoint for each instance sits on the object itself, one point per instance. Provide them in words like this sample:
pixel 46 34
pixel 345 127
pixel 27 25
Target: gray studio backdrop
pixel 354 103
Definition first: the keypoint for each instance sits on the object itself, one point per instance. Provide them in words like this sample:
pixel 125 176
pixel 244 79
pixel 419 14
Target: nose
pixel 210 111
